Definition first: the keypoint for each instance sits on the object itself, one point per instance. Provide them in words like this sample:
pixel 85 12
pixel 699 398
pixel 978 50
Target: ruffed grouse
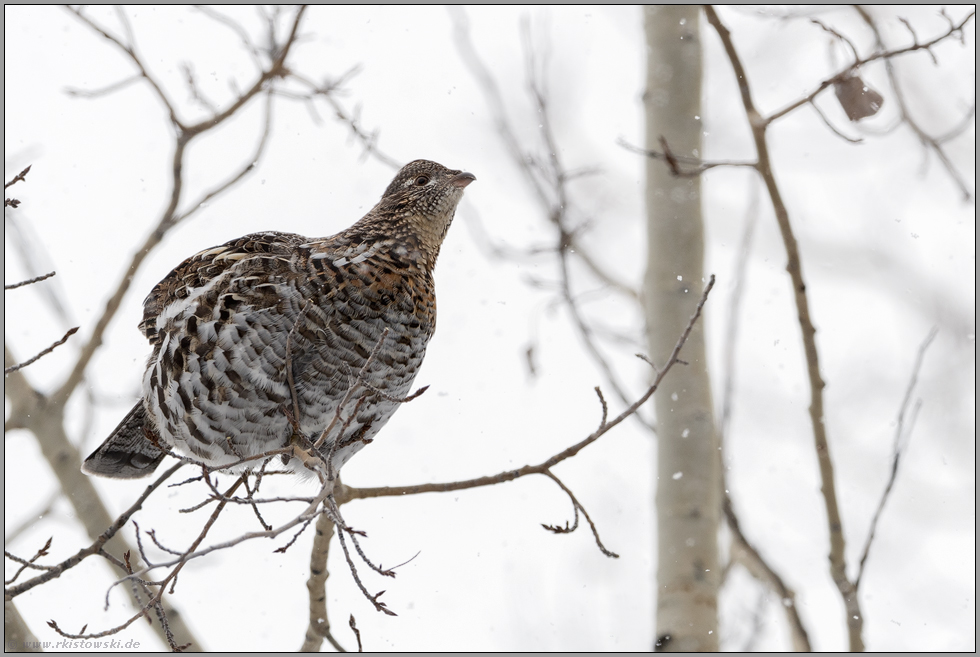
pixel 227 322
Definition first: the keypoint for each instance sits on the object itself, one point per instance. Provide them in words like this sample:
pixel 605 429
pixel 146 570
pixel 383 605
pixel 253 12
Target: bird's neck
pixel 407 238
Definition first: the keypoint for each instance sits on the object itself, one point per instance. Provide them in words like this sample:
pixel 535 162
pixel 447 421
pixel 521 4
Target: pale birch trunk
pixel 688 493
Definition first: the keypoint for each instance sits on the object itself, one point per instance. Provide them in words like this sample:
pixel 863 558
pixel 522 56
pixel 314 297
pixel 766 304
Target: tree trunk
pixel 688 489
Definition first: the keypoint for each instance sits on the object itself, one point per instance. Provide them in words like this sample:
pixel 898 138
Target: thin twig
pixel 858 63
pixel 130 50
pixel 251 502
pixel 30 281
pixel 94 548
pixel 328 91
pixel 103 91
pixel 357 633
pixel 32 518
pixel 699 166
pixel 235 27
pixel 14 368
pixel 578 507
pixel 837 35
pixel 542 185
pixel 28 563
pixel 289 366
pixel 833 128
pixel 933 143
pixel 746 554
pixel 158 597
pixel 378 605
pixel 19 177
pixel 901 436
pixel 354 386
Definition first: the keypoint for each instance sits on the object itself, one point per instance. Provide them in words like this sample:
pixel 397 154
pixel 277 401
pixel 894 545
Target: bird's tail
pixel 127 453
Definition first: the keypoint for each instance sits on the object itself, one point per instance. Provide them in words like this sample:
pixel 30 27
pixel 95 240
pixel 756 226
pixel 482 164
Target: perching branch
pixel 319 623
pixel 346 493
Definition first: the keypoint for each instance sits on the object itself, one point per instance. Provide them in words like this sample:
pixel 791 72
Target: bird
pixel 258 341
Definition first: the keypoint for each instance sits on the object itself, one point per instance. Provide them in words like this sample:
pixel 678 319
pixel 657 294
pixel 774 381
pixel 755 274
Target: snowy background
pixel 888 247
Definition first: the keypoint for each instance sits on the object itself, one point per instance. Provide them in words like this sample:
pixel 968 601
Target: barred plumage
pixel 216 387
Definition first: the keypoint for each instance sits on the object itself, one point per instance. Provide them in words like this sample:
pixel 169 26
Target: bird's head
pixel 422 200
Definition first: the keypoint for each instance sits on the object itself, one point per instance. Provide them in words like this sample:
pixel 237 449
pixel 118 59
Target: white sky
pixel 888 251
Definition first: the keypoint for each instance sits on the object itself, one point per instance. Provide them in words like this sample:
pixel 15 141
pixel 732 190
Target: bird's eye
pixel 421 181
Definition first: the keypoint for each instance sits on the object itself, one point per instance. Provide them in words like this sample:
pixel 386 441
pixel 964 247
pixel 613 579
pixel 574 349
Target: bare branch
pixel 351 389
pixel 94 548
pixel 746 554
pixel 167 221
pixel 328 91
pixel 700 166
pixel 32 518
pixel 45 352
pixel 901 436
pixel 357 633
pixel 578 507
pixel 605 407
pixel 548 186
pixel 346 493
pixel 158 597
pixel 252 502
pixel 30 281
pixel 130 51
pixel 378 605
pixel 826 122
pixel 193 552
pixel 277 68
pixel 838 564
pixel 28 563
pixel 196 94
pixel 19 177
pixel 235 27
pixel 932 143
pixel 840 37
pixel 12 202
pixel 103 91
pixel 319 622
pixel 674 161
pixel 743 551
pixel 953 30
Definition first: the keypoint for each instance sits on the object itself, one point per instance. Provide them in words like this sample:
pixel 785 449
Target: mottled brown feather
pixel 216 386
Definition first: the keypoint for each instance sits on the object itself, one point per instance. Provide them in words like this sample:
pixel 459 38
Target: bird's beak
pixel 463 179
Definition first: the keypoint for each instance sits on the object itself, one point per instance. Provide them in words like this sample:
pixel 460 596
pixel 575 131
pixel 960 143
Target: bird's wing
pixel 269 252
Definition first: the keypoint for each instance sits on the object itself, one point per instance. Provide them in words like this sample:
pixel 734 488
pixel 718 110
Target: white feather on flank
pixel 185 307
